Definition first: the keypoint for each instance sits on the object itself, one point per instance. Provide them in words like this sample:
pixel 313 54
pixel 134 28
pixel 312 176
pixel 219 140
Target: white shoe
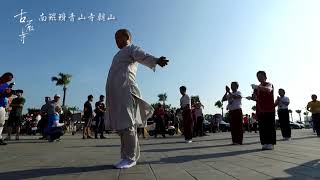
pixel 287 139
pixel 269 147
pixel 264 147
pixel 118 163
pixel 126 164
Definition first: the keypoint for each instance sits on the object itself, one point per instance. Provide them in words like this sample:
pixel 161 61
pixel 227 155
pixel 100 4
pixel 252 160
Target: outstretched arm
pixel 146 59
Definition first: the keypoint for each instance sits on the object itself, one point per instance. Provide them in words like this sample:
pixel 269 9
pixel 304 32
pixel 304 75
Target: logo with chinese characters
pixel 62 17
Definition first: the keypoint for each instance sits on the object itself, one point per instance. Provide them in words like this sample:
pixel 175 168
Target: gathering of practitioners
pixel 122 109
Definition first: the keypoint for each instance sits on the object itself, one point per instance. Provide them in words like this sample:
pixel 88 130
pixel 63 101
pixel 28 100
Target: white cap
pixel 57 95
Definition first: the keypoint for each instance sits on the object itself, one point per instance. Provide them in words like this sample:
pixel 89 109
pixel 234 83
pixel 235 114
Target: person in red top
pixel 265 107
pixel 159 114
pixel 246 123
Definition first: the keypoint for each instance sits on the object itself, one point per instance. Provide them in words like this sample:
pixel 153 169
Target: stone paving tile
pixel 209 157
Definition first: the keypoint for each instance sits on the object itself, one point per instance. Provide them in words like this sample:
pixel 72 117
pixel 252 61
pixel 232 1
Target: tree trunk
pixel 64 96
pixel 222 111
pixel 300 117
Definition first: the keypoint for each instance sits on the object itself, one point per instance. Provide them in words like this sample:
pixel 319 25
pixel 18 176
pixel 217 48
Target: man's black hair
pixel 125 32
pixel 7 74
pixel 183 88
pixel 262 72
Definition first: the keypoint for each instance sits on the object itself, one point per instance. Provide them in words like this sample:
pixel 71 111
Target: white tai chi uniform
pixel 125 108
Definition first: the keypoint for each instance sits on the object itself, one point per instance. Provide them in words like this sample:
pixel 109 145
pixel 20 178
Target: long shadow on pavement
pixel 308 170
pixel 37 173
pixel 187 158
pixel 195 147
pixel 182 142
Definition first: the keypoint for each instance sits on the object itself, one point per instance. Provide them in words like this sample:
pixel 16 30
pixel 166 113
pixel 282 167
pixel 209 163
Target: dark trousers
pixel 236 126
pixel 55 133
pixel 43 124
pixel 99 127
pixel 267 129
pixel 160 127
pixel 187 124
pixel 284 121
pixel 199 124
pixel 316 122
pixel 255 127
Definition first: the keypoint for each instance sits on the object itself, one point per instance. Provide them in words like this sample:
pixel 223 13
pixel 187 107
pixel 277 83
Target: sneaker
pixel 188 141
pixel 115 165
pixel 269 147
pixel 264 147
pixel 287 139
pixel 126 164
pixel 2 142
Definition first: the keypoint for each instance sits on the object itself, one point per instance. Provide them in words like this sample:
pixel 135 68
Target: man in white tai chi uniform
pixel 125 108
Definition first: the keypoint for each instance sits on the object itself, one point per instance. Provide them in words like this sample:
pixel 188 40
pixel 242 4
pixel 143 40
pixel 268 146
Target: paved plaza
pixel 211 157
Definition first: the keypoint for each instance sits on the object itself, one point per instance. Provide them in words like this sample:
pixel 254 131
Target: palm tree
pixel 219 105
pixel 299 112
pixel 163 98
pixel 290 111
pixel 254 108
pixel 62 80
pixel 195 99
pixel 73 109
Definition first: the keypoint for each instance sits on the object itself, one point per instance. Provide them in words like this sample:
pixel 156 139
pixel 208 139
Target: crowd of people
pixel 126 112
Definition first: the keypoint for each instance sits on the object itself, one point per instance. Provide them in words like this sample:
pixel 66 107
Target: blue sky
pixel 210 43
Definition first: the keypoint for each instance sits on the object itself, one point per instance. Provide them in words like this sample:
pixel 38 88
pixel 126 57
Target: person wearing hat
pixel 15 116
pixel 54 110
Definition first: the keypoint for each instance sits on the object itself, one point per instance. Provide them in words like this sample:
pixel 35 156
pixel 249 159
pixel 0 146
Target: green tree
pixel 73 109
pixel 195 99
pixel 62 80
pixel 163 98
pixel 219 105
pixel 299 112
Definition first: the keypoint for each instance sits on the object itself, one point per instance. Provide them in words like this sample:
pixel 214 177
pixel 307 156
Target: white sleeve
pixel 269 86
pixel 238 93
pixel 288 100
pixel 141 57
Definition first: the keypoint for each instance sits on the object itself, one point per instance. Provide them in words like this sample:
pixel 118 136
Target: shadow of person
pixel 306 171
pixel 187 158
pixel 195 147
pixel 37 173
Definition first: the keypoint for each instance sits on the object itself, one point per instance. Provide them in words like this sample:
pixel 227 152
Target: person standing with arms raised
pixel 126 110
pixel 235 112
pixel 283 113
pixel 264 97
